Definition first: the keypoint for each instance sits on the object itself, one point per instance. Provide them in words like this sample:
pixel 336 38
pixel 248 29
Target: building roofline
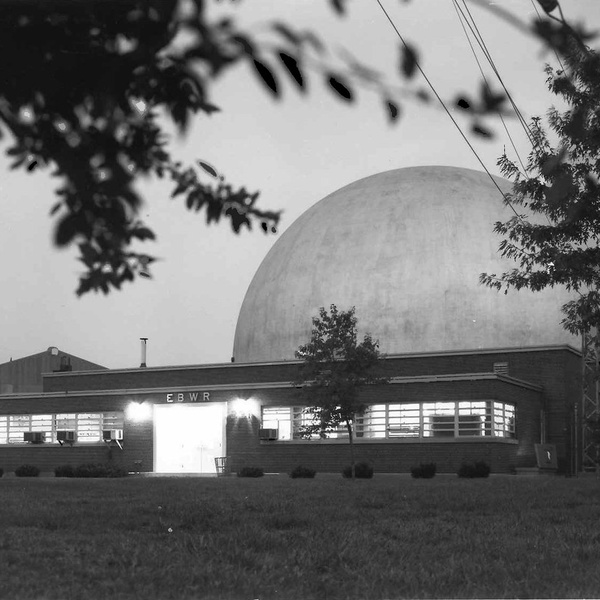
pixel 233 365
pixel 58 353
pixel 268 385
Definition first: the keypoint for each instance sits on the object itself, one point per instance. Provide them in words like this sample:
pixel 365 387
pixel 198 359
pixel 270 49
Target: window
pixel 17 426
pixel 504 420
pixel 482 418
pixel 289 421
pixel 279 418
pixel 88 427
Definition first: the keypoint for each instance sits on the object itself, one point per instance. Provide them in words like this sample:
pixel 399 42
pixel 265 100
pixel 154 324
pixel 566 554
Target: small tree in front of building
pixel 335 367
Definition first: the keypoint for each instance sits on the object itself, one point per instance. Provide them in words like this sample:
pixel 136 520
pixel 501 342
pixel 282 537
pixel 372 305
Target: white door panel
pixel 188 438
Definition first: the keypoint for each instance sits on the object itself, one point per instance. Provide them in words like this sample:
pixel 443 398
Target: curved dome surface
pixel 406 248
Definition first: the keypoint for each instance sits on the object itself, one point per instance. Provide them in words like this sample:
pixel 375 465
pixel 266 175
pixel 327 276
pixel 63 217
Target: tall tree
pixel 335 367
pixel 558 242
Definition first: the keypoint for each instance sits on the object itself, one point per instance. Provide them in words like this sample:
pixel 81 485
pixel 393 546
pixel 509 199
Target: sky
pixel 295 150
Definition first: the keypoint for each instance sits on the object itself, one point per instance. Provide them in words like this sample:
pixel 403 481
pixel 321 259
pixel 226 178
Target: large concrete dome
pixel 406 248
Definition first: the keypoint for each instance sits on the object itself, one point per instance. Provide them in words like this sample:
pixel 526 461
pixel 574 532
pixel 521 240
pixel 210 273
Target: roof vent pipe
pixel 143 340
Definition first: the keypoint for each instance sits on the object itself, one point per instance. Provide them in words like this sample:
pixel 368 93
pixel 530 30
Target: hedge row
pixel 361 471
pixel 87 470
pixel 365 471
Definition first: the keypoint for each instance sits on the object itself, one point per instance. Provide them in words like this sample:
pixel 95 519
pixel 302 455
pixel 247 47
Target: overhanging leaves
pixel 340 86
pixel 560 246
pixel 393 111
pixel 408 60
pixel 266 76
pixel 291 65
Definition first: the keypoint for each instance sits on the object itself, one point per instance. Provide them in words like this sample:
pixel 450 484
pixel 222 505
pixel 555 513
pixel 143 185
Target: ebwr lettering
pixel 189 397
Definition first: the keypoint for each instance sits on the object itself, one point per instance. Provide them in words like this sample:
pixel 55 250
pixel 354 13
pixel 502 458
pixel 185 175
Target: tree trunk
pixel 352 466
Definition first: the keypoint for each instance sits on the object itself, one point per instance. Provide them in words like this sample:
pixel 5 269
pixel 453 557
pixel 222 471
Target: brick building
pixel 474 375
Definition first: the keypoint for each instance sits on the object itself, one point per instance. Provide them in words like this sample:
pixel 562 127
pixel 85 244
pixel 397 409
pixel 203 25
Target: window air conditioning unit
pixel 268 434
pixel 65 436
pixel 34 437
pixel 112 434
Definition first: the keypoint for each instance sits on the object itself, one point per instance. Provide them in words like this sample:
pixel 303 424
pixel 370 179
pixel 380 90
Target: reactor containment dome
pixel 406 248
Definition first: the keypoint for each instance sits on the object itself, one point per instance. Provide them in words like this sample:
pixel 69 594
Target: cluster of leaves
pixel 90 470
pixel 88 83
pixel 83 93
pixel 334 368
pixel 301 472
pixel 561 184
pixel 474 470
pixel 251 472
pixel 423 471
pixel 27 471
pixel 361 470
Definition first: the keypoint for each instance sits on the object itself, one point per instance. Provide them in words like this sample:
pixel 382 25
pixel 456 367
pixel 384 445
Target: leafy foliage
pixel 559 245
pixel 88 85
pixel 64 471
pixel 423 471
pixel 335 367
pixel 251 472
pixel 84 93
pixel 99 470
pixel 27 471
pixel 301 472
pixel 474 470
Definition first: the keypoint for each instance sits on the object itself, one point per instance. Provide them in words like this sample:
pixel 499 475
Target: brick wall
pixel 535 366
pixel 556 372
pixel 48 457
pixel 385 458
pixel 245 449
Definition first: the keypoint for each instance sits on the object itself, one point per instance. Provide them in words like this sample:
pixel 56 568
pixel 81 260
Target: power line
pixel 420 69
pixel 537 12
pixel 486 52
pixel 488 55
pixel 458 13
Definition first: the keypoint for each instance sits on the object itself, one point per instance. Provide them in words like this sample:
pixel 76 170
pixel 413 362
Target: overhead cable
pixel 420 69
pixel 483 46
pixel 486 83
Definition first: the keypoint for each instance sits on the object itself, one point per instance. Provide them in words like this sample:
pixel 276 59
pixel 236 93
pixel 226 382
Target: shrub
pixel 90 470
pixel 64 471
pixel 27 471
pixel 251 472
pixel 303 473
pixel 98 470
pixel 114 471
pixel 423 471
pixel 361 471
pixel 477 469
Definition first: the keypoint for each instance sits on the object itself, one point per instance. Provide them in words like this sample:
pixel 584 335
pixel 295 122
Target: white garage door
pixel 188 437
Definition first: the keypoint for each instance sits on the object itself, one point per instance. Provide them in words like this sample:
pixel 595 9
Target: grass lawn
pixel 389 537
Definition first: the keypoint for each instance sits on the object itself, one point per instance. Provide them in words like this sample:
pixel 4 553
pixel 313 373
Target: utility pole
pixel 589 416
